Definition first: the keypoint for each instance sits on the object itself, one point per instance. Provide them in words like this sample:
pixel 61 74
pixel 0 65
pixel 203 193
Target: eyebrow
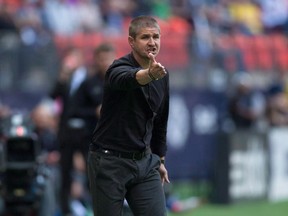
pixel 148 34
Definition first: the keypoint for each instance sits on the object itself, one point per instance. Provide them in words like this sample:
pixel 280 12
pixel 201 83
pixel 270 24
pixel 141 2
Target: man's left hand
pixel 164 174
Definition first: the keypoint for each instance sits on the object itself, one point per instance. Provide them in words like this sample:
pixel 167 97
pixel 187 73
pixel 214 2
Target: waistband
pixel 126 155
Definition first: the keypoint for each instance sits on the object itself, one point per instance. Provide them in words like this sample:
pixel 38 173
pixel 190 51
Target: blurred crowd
pixel 33 18
pixel 67 17
pixel 29 29
pixel 37 22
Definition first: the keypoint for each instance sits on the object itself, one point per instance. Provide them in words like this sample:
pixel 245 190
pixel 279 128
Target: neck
pixel 143 62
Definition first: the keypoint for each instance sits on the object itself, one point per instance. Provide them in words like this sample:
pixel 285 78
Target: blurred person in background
pixel 9 44
pixel 126 157
pixel 89 95
pixel 4 110
pixel 36 48
pixel 246 16
pixel 32 21
pixel 62 17
pixel 277 105
pixel 114 14
pixel 161 9
pixel 89 16
pixel 274 15
pixel 88 101
pixel 246 105
pixel 7 19
pixel 45 121
pixel 71 130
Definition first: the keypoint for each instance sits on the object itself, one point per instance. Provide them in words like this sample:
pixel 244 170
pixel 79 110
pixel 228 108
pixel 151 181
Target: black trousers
pixel 75 140
pixel 112 179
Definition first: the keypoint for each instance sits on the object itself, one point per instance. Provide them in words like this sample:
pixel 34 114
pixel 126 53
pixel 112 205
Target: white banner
pixel 278 144
pixel 248 166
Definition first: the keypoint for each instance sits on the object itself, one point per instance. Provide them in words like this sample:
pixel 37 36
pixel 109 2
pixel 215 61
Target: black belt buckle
pixel 105 151
pixel 127 155
pixel 138 155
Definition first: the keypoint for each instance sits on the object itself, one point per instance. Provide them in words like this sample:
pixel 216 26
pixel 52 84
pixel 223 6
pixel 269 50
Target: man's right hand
pixel 156 70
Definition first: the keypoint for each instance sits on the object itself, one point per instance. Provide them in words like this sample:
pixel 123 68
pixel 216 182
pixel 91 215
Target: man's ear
pixel 131 41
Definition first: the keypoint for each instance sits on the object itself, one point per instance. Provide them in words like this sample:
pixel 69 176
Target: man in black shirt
pixel 126 157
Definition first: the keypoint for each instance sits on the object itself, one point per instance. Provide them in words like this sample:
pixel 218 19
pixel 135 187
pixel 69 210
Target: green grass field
pixel 247 209
pixel 244 208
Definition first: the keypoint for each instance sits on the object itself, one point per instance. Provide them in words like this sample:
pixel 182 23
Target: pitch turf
pixel 243 209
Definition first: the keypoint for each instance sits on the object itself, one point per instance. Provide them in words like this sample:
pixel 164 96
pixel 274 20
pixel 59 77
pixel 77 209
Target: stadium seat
pixel 279 41
pixel 78 40
pixel 281 60
pixel 241 41
pixel 262 46
pixel 245 45
pixel 279 51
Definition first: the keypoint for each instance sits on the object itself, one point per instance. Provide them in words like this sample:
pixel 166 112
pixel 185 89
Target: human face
pixel 103 60
pixel 147 41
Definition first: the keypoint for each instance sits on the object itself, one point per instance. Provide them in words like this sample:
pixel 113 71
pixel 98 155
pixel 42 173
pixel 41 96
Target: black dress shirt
pixel 133 116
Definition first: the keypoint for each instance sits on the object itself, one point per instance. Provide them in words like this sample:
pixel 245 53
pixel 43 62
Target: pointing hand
pixel 156 70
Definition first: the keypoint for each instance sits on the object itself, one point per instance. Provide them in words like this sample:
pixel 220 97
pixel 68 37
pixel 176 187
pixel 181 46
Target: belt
pixel 127 155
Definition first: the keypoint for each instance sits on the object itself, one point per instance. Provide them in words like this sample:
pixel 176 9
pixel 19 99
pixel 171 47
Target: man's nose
pixel 151 41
